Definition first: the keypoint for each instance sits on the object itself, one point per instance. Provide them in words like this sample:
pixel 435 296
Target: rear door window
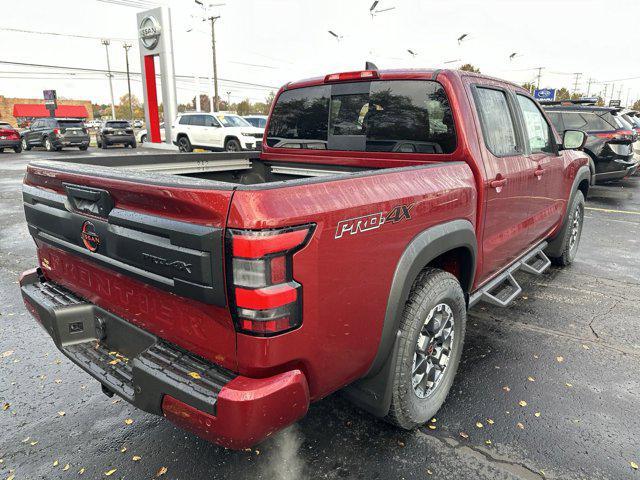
pixel 595 123
pixel 497 122
pixel 185 120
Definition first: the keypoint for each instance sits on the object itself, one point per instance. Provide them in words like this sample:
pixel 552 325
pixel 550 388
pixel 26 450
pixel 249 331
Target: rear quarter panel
pixel 346 280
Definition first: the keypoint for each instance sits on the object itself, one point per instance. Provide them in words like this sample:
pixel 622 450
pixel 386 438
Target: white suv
pixel 215 131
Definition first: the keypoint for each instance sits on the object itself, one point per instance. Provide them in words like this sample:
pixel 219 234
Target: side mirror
pixel 573 139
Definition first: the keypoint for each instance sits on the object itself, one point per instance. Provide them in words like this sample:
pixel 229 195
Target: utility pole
pixel 539 75
pixel 216 99
pixel 228 100
pixel 126 47
pixel 589 86
pixel 106 43
pixel 196 87
pixel 575 85
pixel 613 91
pixel 604 98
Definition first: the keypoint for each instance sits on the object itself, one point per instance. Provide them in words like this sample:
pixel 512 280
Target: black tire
pixel 133 145
pixel 84 148
pixel 18 149
pixel 143 138
pixel 571 232
pixel 232 145
pixel 184 145
pixel 48 146
pixel 1 150
pixel 25 145
pixel 434 295
pixel 103 145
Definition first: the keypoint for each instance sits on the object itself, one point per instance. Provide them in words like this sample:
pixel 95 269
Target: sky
pixel 270 42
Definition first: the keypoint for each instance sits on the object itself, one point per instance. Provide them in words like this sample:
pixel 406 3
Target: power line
pixel 56 34
pixel 98 70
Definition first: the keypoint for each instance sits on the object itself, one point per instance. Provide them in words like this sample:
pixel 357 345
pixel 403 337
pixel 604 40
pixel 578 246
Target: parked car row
pixel 612 133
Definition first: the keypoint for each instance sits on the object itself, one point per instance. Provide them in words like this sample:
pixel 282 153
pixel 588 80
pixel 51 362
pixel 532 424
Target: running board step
pixel 504 289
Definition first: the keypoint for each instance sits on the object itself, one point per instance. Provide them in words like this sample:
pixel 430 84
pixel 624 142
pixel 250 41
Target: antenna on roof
pixel 370 66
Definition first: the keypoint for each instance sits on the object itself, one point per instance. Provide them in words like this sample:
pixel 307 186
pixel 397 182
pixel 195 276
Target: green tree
pixel 122 109
pixel 563 94
pixel 467 67
pixel 529 86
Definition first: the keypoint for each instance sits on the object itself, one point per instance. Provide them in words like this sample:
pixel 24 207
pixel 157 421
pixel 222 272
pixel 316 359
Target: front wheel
pixel 232 145
pixel 143 138
pixel 432 331
pixel 25 145
pixel 48 146
pixel 17 149
pixel 572 232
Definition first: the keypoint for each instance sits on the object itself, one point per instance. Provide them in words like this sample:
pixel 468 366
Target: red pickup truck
pixel 228 291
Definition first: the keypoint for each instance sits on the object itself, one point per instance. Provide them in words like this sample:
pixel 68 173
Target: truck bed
pixel 213 170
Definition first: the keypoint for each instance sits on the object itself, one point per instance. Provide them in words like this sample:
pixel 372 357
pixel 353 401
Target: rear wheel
pixel 184 145
pixel 143 138
pixel 133 145
pixel 232 145
pixel 48 145
pixel 18 149
pixel 571 232
pixel 84 147
pixel 431 337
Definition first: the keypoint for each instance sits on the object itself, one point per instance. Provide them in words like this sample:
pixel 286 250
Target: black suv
pixel 115 132
pixel 609 138
pixel 55 134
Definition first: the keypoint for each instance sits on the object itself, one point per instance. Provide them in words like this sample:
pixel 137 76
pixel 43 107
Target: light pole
pixel 126 47
pixel 106 43
pixel 216 100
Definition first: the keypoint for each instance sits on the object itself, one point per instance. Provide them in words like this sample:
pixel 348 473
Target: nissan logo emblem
pixel 89 237
pixel 149 32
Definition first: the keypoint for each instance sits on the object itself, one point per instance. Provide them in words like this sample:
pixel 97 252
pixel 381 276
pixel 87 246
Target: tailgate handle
pixel 89 200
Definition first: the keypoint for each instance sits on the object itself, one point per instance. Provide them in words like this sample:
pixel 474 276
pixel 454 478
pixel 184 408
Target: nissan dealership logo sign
pixel 149 32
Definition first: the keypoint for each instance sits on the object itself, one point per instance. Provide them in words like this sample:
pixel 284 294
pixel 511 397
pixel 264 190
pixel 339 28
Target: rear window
pixel 117 125
pixel 5 125
pixel 407 116
pixel 70 124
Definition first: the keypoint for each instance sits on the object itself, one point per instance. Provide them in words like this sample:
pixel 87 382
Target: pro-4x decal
pixel 373 221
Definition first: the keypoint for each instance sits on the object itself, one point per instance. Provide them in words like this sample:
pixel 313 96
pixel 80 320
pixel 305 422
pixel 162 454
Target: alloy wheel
pixel 433 350
pixel 576 228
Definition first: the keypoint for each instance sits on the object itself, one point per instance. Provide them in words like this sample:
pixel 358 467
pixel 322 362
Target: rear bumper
pixel 10 143
pixel 624 168
pixel 119 139
pixel 157 377
pixel 59 142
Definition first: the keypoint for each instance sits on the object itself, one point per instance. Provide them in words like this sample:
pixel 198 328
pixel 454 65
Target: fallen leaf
pixel 586 347
pixel 57 361
pixel 66 467
pixel 110 472
pixel 57 380
pixel 634 465
pixel 431 427
pixel 113 362
pixel 161 471
pixel 506 389
pixel 55 463
pixel 568 385
pixel 531 379
pixel 522 403
pixel 536 356
pixel 81 471
pixel 490 421
pixel 11 477
pixel 195 375
pixel 429 472
pixel 434 420
pixel 560 359
pixel 8 353
pixel 61 413
pixel 537 414
pixel 479 425
pixel 128 421
pixel 488 442
pixel 6 406
pixel 257 452
pixel 34 443
pixel 520 426
pixel 464 435
pixel 401 443
pixel 26 440
pixel 117 400
pixel 136 458
pixel 123 449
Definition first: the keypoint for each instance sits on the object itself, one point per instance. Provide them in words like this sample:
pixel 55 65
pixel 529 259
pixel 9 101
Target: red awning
pixel 40 111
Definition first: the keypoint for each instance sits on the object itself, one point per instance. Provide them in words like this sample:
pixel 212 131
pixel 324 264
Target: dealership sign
pixel 548 94
pixel 149 32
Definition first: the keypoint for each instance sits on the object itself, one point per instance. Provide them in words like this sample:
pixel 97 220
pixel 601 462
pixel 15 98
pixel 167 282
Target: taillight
pixel 265 298
pixel 616 135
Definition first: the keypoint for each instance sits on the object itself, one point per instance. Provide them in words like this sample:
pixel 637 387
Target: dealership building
pixel 19 111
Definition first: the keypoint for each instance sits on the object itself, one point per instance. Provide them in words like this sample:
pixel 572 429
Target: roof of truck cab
pixel 402 74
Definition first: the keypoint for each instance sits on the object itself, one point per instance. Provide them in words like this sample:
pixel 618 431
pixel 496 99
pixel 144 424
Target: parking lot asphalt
pixel 548 388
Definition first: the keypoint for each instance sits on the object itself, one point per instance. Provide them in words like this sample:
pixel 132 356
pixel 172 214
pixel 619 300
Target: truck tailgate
pixel 152 254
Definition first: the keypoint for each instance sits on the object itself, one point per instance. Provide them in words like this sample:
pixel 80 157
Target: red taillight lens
pixel 351 76
pixel 265 298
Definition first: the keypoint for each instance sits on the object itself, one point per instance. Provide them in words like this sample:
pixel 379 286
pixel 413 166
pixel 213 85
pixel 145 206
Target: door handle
pixel 497 183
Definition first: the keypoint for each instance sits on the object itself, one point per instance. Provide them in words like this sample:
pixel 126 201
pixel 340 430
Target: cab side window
pixel 497 122
pixel 537 129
